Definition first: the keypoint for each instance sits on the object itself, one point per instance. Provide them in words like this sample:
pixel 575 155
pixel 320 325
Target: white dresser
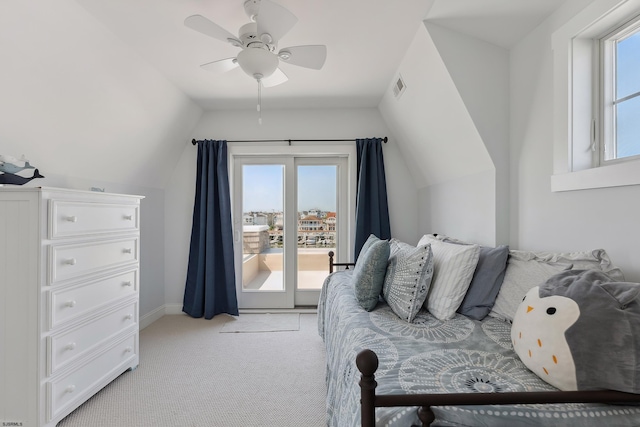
pixel 69 282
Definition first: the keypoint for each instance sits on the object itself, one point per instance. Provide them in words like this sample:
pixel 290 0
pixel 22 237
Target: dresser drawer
pixel 72 261
pixel 71 219
pixel 68 346
pixel 75 387
pixel 72 302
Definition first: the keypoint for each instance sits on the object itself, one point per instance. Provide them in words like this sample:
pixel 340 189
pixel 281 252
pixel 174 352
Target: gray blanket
pixel 432 356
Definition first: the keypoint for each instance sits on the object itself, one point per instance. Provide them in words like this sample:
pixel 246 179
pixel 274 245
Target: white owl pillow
pixel 581 331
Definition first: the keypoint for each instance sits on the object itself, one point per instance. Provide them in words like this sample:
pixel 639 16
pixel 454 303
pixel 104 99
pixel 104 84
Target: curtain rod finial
pixel 193 141
pixel 385 139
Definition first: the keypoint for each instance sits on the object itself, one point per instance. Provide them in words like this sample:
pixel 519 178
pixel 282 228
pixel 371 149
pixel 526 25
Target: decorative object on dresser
pixel 69 284
pixel 11 166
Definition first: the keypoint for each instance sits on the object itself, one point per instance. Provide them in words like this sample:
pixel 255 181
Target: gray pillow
pixel 369 272
pixel 523 273
pixel 367 244
pixel 408 278
pixel 486 282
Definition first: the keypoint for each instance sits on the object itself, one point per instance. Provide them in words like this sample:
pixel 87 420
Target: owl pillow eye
pixel 551 310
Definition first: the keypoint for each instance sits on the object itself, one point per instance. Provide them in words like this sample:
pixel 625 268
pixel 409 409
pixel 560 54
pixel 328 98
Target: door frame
pixel 262 152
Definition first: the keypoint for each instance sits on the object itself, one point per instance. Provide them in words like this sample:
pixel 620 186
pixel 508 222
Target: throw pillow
pixel 367 244
pixel 486 282
pixel 369 272
pixel 524 271
pixel 581 331
pixel 408 278
pixel 453 267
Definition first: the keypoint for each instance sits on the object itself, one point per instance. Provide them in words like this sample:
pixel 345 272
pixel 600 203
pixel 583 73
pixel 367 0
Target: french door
pixel 289 211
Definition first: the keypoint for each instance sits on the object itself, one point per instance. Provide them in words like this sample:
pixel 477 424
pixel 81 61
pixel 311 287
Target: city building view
pixel 315 228
pixel 263 226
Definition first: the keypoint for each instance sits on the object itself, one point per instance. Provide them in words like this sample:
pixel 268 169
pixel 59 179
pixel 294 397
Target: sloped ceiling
pixel 439 139
pixel 365 41
pixel 77 101
pixel 110 90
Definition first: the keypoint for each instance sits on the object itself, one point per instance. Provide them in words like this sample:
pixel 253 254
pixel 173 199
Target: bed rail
pixel 332 264
pixel 367 362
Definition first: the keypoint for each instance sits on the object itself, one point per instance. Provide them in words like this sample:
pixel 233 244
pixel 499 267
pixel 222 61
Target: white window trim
pixel 608 91
pixel 574 79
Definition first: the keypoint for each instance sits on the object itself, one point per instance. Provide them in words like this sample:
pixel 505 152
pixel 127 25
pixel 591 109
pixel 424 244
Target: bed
pixel 454 372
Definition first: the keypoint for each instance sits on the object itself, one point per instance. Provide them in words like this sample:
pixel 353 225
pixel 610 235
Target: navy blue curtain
pixel 211 278
pixel 372 209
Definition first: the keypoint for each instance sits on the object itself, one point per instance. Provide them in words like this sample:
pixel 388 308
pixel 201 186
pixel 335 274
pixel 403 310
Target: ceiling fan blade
pixel 274 20
pixel 211 29
pixel 278 77
pixel 220 66
pixel 309 56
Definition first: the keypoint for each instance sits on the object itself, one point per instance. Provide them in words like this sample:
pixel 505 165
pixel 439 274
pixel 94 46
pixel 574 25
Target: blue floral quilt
pixel 433 356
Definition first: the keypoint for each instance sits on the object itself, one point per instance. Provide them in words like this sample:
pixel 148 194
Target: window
pixel 620 93
pixel 596 85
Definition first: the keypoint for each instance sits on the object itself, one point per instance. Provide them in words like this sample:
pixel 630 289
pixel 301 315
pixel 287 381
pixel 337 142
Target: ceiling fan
pixel 258 39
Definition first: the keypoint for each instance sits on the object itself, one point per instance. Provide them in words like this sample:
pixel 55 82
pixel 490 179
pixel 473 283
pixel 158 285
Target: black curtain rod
pixel 385 139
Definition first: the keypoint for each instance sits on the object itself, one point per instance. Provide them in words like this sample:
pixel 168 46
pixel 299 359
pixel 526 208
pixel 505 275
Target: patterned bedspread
pixel 432 356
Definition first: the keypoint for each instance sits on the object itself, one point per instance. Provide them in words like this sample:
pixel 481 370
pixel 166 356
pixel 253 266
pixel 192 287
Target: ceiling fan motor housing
pixel 248 34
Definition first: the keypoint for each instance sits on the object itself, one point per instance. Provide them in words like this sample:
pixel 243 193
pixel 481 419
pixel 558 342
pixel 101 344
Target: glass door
pixel 261 232
pixel 288 213
pixel 319 216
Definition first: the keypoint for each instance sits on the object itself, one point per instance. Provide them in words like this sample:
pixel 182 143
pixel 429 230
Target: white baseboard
pixel 171 309
pixel 152 316
pixel 278 310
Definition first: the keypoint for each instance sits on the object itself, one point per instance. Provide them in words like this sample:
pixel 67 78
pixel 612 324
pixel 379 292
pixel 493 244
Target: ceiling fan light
pixel 256 61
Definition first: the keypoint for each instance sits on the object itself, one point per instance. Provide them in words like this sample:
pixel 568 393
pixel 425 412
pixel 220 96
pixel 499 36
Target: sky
pixel 628 112
pixel 263 185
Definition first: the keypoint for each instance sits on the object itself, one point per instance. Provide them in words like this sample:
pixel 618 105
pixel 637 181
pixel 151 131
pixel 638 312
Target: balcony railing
pixel 263 260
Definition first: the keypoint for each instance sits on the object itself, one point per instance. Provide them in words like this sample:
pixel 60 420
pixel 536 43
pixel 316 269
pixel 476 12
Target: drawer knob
pixel 70 346
pixel 127 284
pixel 128 317
pixel 71 218
pixel 70 388
pixel 128 217
pixel 128 350
pixel 127 250
pixel 70 261
pixel 71 303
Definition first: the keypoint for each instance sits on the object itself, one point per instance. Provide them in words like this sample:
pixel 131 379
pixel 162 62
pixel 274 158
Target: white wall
pixel 279 124
pixel 452 127
pixel 77 101
pixel 460 208
pixel 566 221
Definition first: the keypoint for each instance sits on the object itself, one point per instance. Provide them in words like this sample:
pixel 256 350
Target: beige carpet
pixel 267 322
pixel 192 375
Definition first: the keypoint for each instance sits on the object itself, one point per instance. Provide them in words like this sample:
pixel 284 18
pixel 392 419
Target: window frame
pixel 607 98
pixel 575 80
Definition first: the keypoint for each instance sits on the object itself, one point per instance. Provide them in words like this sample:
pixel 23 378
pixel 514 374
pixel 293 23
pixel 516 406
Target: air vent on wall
pixel 399 87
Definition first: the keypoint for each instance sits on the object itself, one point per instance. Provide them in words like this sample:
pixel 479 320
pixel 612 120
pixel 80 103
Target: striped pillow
pixel 453 267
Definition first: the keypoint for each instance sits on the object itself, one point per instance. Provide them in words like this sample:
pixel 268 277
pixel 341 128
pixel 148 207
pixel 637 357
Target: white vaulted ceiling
pixel 110 90
pixel 366 41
